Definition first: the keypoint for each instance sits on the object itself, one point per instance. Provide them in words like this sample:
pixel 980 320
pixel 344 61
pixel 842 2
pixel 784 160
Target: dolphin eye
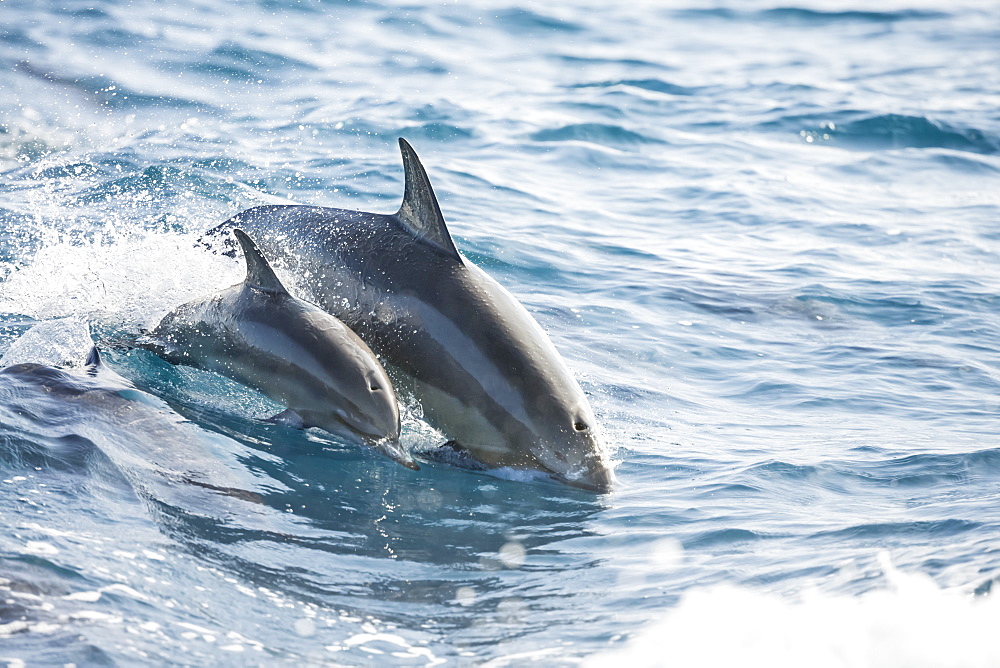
pixel 579 426
pixel 375 387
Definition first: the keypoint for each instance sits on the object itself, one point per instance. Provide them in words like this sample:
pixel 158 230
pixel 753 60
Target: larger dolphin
pixel 484 371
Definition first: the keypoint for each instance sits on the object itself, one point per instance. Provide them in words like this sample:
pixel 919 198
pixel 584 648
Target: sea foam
pixel 912 623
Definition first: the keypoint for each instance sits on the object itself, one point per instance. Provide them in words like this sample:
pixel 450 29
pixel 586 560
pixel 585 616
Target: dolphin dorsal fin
pixel 259 272
pixel 420 211
pixel 94 358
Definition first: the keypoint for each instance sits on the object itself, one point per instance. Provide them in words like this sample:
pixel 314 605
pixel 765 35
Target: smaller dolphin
pixel 256 333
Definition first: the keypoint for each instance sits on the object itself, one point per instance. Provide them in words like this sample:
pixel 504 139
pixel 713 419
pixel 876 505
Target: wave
pixel 519 21
pixel 434 132
pixel 807 16
pixel 231 60
pixel 723 538
pixel 15 37
pixel 595 133
pixel 891 471
pixel 879 531
pixel 106 92
pixel 652 85
pixel 815 16
pixel 880 132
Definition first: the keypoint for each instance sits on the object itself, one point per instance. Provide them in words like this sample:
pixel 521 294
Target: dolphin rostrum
pixel 256 333
pixel 483 371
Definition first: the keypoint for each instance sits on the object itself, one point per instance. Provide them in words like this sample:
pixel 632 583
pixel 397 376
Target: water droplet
pixel 511 555
pixel 305 627
pixel 511 610
pixel 429 499
pixel 666 553
pixel 465 596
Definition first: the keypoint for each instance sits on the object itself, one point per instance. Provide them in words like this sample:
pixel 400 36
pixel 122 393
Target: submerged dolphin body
pixel 293 352
pixel 484 372
pixel 80 414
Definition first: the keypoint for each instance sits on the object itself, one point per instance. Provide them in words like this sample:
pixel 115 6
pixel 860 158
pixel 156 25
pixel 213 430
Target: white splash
pixel 127 281
pixel 60 342
pixel 911 624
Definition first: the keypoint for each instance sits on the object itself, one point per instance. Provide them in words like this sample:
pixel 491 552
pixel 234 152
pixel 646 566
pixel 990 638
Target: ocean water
pixel 764 235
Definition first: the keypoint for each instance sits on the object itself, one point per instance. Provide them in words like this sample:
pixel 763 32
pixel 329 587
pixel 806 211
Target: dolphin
pixel 79 412
pixel 484 372
pixel 256 333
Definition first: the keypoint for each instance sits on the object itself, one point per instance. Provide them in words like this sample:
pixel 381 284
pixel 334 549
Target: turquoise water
pixel 764 236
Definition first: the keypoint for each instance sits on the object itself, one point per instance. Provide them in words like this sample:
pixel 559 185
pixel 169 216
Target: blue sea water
pixel 764 235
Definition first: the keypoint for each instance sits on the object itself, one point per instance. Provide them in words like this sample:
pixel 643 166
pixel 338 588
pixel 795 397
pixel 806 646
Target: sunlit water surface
pixel 764 236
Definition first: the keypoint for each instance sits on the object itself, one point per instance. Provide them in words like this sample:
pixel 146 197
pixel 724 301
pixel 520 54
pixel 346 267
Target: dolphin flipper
pixel 289 418
pixel 259 272
pixel 420 211
pixel 388 447
pixel 393 450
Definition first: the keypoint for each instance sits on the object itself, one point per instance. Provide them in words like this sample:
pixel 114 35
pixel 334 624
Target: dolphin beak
pixel 391 448
pixel 600 480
